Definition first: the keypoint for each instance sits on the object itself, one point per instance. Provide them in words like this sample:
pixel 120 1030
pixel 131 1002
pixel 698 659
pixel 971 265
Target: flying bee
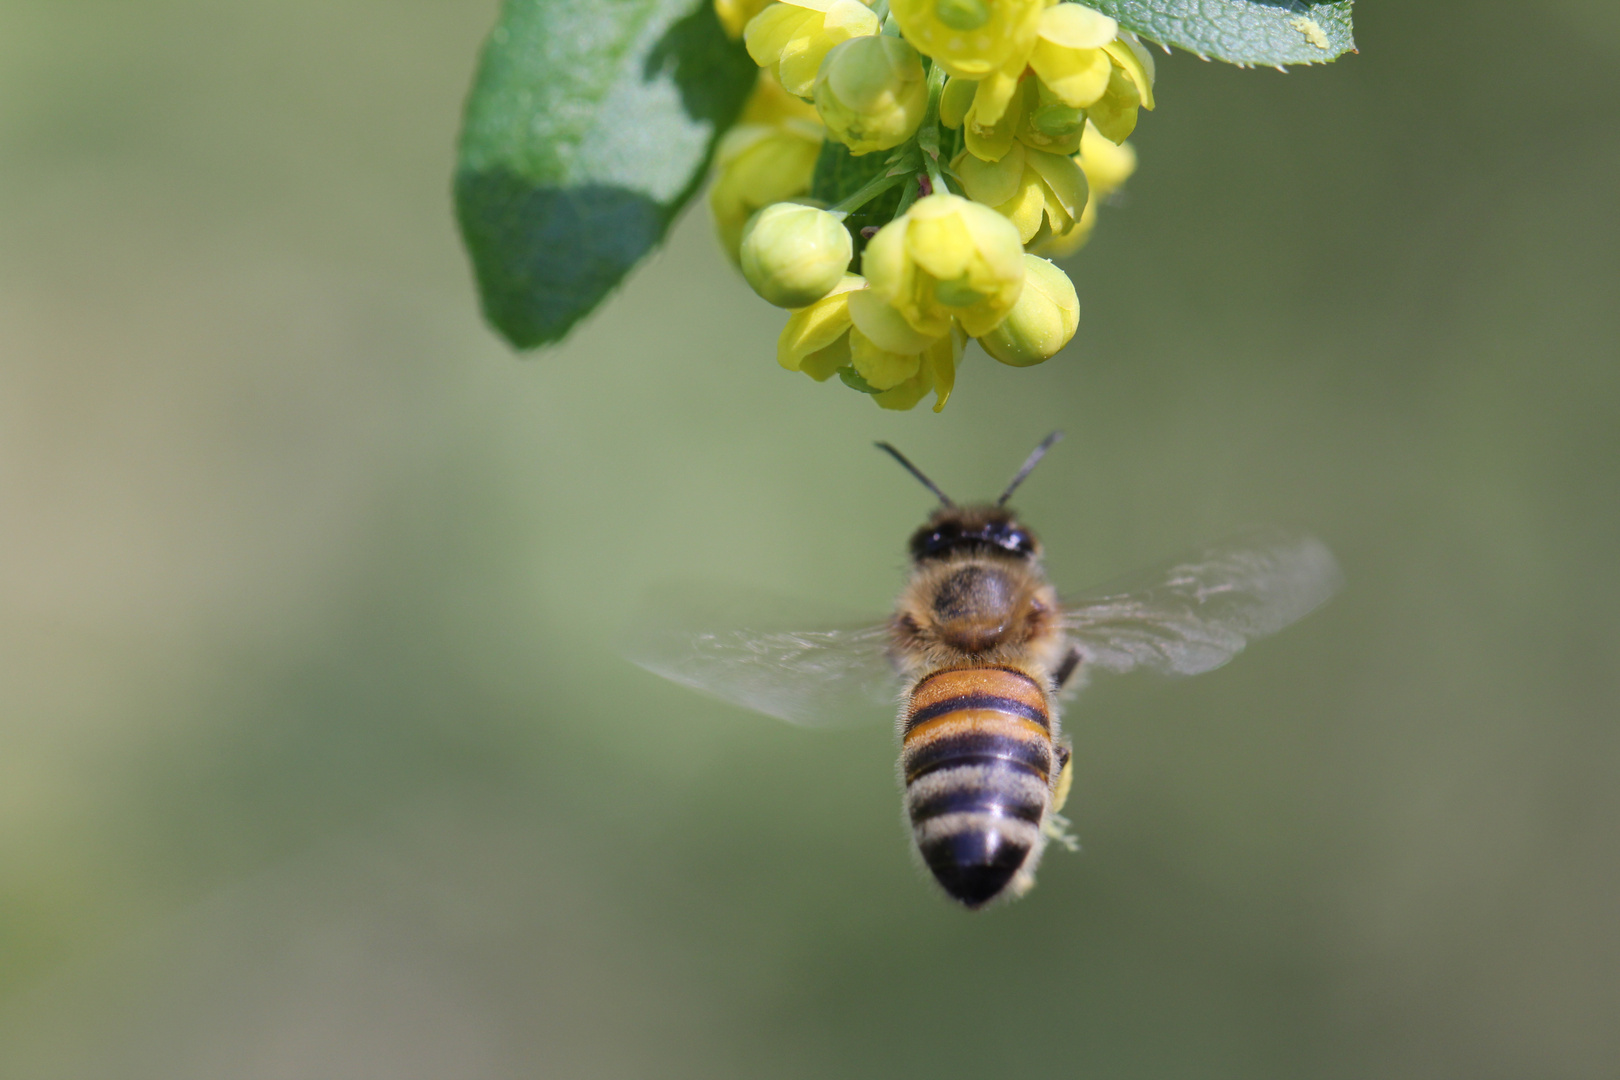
pixel 980 648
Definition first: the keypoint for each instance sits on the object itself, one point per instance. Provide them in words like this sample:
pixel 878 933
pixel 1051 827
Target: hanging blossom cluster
pixel 940 147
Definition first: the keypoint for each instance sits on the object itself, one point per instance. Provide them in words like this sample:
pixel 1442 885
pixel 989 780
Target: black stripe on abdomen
pixel 979 748
pixel 997 793
pixel 993 702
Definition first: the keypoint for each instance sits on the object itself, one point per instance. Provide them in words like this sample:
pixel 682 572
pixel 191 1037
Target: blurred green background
pixel 317 758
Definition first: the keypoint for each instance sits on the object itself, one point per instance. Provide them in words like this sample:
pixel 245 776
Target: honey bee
pixel 980 648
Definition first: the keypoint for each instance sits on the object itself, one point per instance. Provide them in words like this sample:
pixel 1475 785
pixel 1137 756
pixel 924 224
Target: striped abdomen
pixel 977 758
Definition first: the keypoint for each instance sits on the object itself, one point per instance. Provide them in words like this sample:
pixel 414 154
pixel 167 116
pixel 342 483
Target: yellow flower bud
pixel 793 38
pixel 971 38
pixel 1069 56
pixel 734 14
pixel 793 254
pixel 872 93
pixel 816 338
pixel 947 257
pixel 1043 320
pixel 760 164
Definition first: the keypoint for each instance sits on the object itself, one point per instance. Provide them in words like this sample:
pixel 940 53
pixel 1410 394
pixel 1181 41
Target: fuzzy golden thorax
pixel 977 595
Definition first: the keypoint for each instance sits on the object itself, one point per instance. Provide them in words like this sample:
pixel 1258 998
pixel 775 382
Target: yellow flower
pixel 734 14
pixel 995 112
pixel 886 329
pixel 937 372
pixel 793 38
pixel 850 331
pixel 1028 187
pixel 894 363
pixel 992 121
pixel 816 338
pixel 1080 64
pixel 1107 167
pixel 872 93
pixel 760 164
pixel 1130 85
pixel 1043 320
pixel 1050 123
pixel 947 257
pixel 971 38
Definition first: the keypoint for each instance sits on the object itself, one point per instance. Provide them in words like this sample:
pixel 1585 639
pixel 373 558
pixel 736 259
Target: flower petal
pixel 884 326
pixel 1075 26
pixel 813 328
pixel 1136 66
pixel 991 182
pixel 882 369
pixel 1064 179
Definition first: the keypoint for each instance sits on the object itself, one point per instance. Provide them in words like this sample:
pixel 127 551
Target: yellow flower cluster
pixel 1002 124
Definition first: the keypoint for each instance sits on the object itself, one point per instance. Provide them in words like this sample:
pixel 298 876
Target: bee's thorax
pixel 974 607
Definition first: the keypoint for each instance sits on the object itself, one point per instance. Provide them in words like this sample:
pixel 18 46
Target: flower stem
pixel 898 173
pixel 928 133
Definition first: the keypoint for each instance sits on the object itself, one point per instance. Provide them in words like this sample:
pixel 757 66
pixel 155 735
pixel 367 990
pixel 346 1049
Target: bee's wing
pixel 1195 614
pixel 818 677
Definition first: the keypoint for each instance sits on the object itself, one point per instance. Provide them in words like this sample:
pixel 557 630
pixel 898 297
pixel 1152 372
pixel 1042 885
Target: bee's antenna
pixel 914 471
pixel 1030 462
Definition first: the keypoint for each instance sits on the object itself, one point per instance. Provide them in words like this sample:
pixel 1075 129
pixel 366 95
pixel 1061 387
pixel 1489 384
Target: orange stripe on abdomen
pixel 988 688
pixel 966 715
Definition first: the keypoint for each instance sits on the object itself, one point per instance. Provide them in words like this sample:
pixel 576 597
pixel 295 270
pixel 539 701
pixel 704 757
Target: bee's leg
pixel 1060 794
pixel 1056 826
pixel 1067 668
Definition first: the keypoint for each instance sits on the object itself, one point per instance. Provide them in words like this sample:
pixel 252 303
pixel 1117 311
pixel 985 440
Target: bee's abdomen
pixel 977 758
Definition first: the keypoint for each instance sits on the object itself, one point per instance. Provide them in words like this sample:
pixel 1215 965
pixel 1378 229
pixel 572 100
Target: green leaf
pixel 1242 31
pixel 840 173
pixel 590 124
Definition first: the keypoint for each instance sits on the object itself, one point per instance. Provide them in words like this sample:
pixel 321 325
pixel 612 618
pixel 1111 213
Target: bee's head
pixel 993 529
